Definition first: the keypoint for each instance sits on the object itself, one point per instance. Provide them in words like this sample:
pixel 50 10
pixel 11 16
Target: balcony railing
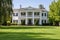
pixel 29 15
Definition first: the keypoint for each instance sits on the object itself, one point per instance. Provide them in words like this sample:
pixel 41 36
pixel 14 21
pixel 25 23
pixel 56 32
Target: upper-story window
pixel 23 13
pixel 29 13
pixel 15 14
pixel 45 21
pixel 44 14
pixel 36 13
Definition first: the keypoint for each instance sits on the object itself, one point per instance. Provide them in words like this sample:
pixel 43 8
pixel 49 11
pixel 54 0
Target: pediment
pixel 29 8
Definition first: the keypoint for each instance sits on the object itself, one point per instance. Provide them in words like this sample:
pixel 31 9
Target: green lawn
pixel 30 33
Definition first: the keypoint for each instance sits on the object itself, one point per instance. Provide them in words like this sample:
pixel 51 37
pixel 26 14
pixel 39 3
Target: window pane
pixel 16 14
pixel 23 13
pixel 36 13
pixel 45 21
pixel 42 14
pixel 45 14
pixel 42 21
pixel 29 13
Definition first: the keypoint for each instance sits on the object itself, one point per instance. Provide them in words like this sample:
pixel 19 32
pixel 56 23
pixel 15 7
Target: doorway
pixel 29 21
pixel 36 21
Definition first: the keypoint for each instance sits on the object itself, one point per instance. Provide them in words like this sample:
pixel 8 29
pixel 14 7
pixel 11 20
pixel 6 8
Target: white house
pixel 30 15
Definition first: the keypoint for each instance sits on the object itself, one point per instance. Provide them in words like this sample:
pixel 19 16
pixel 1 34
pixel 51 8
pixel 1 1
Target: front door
pixel 29 21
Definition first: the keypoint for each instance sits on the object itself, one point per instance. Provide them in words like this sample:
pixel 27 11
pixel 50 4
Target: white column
pixel 19 18
pixel 40 18
pixel 33 18
pixel 47 21
pixel 26 21
pixel 12 18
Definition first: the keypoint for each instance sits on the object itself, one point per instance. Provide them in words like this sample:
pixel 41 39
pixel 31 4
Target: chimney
pixel 41 6
pixel 20 6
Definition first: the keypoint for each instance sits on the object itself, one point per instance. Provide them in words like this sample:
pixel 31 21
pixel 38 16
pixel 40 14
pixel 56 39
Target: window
pixel 36 13
pixel 44 21
pixel 23 13
pixel 42 14
pixel 45 14
pixel 15 14
pixel 29 13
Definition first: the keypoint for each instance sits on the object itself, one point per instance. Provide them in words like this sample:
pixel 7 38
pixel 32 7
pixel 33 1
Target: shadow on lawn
pixel 24 36
pixel 27 27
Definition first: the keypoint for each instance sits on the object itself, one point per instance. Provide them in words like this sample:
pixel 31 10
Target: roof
pixel 30 9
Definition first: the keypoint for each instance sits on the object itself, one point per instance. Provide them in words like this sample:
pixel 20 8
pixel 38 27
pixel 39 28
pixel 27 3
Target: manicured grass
pixel 30 33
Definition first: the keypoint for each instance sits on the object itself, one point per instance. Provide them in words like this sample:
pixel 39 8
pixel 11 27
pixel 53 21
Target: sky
pixel 32 3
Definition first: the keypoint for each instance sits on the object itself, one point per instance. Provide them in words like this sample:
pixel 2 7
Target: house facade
pixel 30 16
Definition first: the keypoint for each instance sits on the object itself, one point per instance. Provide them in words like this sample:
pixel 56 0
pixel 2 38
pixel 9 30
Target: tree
pixel 1 6
pixel 6 10
pixel 54 13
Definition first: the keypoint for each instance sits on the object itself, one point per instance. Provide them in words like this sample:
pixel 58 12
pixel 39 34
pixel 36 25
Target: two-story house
pixel 30 15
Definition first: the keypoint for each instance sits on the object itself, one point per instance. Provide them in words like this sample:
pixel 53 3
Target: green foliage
pixel 54 13
pixel 5 10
